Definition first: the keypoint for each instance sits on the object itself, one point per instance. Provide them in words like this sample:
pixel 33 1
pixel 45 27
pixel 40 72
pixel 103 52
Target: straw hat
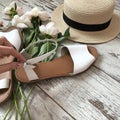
pixel 90 21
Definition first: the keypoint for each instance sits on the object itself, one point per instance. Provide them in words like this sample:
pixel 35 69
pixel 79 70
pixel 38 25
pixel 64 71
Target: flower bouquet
pixel 34 25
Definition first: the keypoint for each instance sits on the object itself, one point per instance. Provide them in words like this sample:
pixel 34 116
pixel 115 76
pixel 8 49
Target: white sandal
pixel 13 36
pixel 77 60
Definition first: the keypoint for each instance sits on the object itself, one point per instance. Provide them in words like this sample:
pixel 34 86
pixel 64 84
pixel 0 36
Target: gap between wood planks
pixel 55 102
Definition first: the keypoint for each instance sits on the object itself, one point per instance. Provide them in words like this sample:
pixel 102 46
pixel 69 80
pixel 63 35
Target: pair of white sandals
pixel 77 59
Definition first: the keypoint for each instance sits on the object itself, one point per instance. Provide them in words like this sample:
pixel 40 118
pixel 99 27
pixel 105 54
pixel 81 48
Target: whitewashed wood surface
pixel 91 95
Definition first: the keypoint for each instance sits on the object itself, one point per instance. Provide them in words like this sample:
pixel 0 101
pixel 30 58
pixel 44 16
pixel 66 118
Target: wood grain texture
pixel 40 106
pixel 91 95
pixel 81 92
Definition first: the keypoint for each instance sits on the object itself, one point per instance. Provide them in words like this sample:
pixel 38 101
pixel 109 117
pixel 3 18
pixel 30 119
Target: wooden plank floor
pixel 91 95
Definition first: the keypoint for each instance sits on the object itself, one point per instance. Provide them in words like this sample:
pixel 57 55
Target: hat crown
pixel 89 11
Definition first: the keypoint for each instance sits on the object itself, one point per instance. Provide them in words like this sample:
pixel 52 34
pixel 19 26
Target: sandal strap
pixel 13 37
pixel 4 83
pixel 29 65
pixel 80 55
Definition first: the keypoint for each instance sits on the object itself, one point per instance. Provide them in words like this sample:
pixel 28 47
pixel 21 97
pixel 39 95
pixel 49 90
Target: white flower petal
pixel 35 12
pixel 50 25
pixel 26 15
pixel 54 31
pixel 16 20
pixel 12 4
pixel 7 10
pixel 42 29
pixel 20 11
pixel 27 21
pixel 44 16
pixel 21 25
pixel 26 18
pixel 51 29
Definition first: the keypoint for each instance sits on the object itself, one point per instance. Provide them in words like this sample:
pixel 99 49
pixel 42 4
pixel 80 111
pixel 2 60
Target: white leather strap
pixel 29 70
pixel 13 37
pixel 29 64
pixel 80 55
pixel 4 83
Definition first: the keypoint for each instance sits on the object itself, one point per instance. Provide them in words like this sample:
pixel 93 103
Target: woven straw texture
pixel 88 12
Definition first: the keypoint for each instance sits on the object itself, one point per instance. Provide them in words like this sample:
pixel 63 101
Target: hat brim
pixel 87 37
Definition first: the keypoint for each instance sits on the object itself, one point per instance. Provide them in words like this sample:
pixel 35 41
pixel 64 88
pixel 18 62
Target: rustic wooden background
pixel 92 95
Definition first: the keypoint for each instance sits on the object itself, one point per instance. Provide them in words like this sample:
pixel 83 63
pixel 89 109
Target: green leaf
pixel 36 22
pixel 61 39
pixel 33 51
pixel 39 47
pixel 15 6
pixel 51 57
pixel 43 49
pixel 48 36
pixel 41 36
pixel 46 47
pixel 67 33
pixel 45 36
pixel 28 35
pixel 13 12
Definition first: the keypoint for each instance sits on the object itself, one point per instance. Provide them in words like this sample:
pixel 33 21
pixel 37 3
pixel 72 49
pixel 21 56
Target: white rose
pixel 26 18
pixel 21 25
pixel 35 12
pixel 49 29
pixel 16 19
pixel 19 11
pixel 27 15
pixel 42 29
pixel 19 22
pixel 27 21
pixel 44 16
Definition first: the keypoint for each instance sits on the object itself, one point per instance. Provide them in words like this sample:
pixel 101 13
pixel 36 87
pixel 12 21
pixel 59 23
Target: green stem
pixel 16 104
pixel 22 95
pixel 9 109
pixel 35 36
pixel 16 98
pixel 25 103
pixel 27 100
